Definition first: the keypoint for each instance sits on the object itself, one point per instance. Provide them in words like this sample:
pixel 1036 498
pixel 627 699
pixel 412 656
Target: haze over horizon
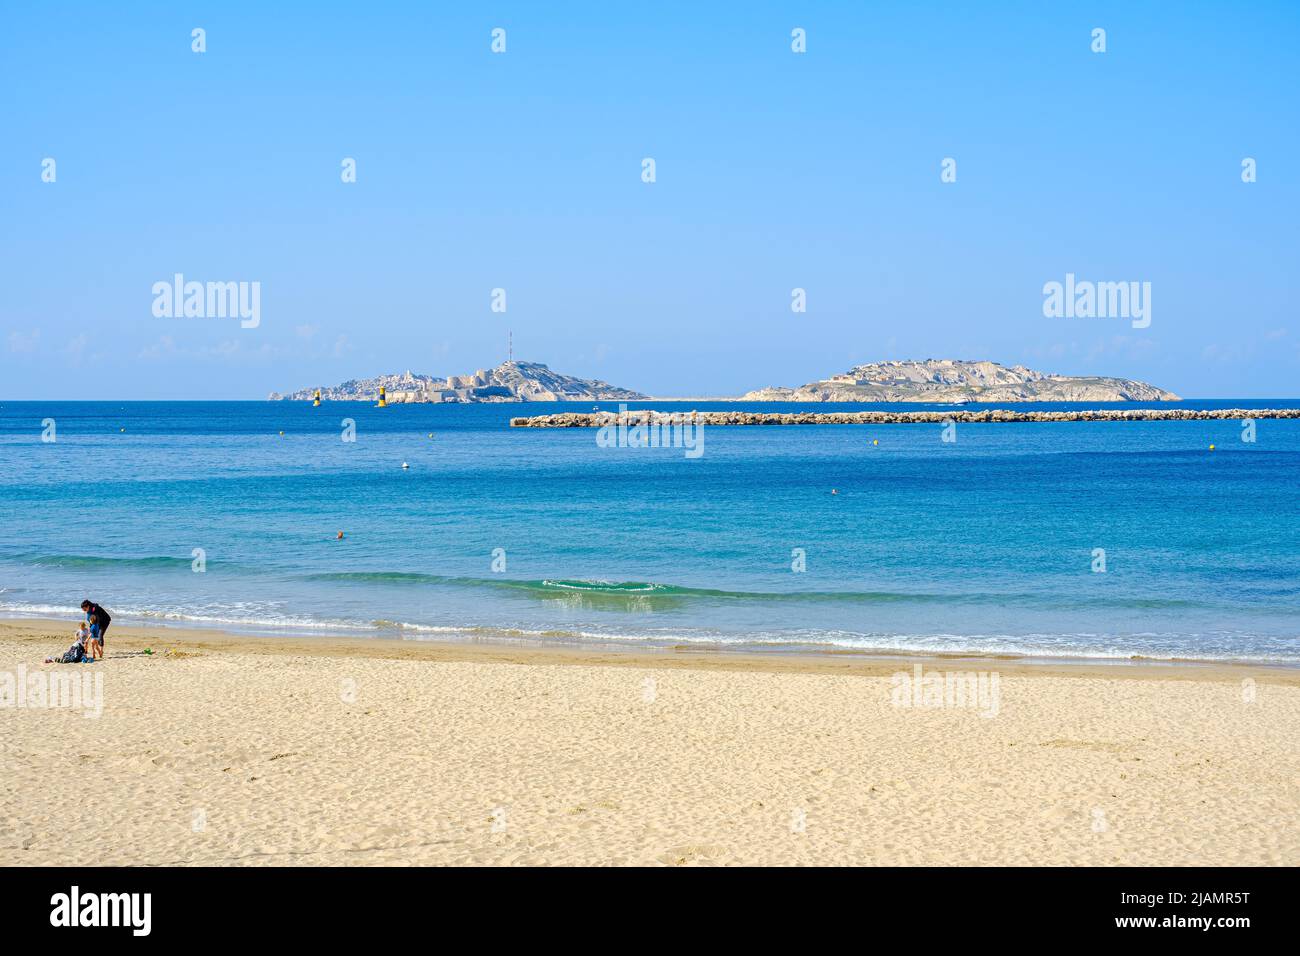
pixel 522 171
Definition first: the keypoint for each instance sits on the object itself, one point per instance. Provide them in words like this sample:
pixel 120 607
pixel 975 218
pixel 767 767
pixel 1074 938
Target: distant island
pixel 951 381
pixel 942 381
pixel 508 382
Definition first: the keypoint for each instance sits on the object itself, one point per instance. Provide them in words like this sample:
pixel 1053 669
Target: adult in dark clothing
pixel 98 618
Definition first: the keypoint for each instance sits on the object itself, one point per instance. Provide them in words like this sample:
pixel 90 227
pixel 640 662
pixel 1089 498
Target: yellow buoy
pixel 1211 448
pixel 875 441
pixel 383 398
pixel 316 401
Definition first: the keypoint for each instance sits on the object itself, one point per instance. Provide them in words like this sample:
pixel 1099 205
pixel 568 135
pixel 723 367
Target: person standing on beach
pixel 99 620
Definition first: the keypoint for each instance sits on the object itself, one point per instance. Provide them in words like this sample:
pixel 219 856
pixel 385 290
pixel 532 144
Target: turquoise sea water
pixel 985 544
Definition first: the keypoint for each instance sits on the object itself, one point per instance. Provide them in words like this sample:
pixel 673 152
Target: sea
pixel 1077 540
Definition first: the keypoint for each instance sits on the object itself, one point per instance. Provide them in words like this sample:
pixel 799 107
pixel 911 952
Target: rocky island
pixel 954 382
pixel 937 381
pixel 509 382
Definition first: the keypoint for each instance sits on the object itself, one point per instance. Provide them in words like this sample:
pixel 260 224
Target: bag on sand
pixel 75 653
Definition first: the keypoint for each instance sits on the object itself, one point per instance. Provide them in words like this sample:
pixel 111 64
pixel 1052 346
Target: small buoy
pixel 121 429
pixel 340 536
pixel 281 433
pixel 1211 448
pixel 405 466
pixel 430 434
pixel 835 491
pixel 875 441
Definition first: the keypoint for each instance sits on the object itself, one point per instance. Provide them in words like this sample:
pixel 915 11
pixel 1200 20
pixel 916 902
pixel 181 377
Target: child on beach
pixel 94 646
pixel 77 652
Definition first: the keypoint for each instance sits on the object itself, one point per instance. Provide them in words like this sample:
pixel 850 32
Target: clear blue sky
pixel 523 171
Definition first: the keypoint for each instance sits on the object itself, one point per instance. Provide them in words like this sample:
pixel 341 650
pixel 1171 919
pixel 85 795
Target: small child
pixel 77 652
pixel 90 635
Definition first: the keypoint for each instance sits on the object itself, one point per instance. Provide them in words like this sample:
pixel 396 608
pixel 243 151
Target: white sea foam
pixel 1080 647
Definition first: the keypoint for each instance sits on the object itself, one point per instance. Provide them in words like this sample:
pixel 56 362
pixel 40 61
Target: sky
pixel 522 170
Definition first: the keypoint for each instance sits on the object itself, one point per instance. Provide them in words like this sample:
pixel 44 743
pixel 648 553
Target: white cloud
pixel 227 350
pixel 75 350
pixel 164 346
pixel 18 342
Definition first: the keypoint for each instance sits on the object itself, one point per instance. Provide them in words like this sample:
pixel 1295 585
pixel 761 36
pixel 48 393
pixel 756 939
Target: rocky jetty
pixel 950 380
pixel 648 416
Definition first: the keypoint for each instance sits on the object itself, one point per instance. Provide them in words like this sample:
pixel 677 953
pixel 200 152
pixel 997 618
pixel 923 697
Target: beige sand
pixel 263 751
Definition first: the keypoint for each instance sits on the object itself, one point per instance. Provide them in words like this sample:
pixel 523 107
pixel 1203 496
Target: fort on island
pixel 477 387
pixel 511 381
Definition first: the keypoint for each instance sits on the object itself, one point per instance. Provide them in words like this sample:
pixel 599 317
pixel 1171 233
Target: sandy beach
pixel 221 749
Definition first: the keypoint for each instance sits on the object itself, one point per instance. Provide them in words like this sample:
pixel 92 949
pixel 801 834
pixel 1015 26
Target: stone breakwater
pixel 647 416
